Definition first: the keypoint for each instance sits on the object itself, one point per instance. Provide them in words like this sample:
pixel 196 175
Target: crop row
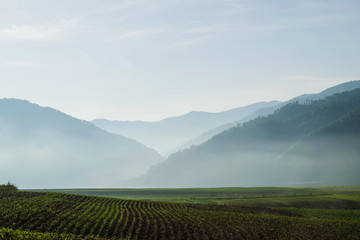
pixel 10 234
pixel 116 219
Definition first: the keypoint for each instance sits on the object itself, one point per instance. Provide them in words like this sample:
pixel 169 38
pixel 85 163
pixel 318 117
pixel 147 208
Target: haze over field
pixel 179 93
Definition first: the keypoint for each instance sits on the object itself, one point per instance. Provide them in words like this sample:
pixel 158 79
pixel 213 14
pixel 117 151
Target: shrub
pixel 9 187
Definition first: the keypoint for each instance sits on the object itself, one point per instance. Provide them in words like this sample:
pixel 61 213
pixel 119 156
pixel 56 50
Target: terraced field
pixel 111 218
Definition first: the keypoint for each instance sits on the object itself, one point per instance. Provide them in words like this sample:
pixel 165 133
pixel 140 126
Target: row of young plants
pixel 10 234
pixel 112 218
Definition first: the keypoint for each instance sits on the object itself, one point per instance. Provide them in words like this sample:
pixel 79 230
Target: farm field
pixel 72 216
pixel 6 233
pixel 336 197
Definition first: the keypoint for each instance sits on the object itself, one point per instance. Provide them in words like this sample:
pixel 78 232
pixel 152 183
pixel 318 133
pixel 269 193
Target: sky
pixel 151 59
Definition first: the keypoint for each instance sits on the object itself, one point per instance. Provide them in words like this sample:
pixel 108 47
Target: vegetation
pixel 337 197
pixel 8 187
pixel 6 234
pixel 317 142
pixel 56 214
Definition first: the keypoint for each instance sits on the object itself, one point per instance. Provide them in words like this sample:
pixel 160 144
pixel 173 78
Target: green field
pixel 239 213
pixel 340 197
pixel 6 234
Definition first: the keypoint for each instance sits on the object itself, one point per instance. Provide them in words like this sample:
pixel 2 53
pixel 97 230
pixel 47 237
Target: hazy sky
pixel 149 59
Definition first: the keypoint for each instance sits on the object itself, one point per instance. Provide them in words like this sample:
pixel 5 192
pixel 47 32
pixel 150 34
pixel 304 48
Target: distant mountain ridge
pixel 343 87
pixel 294 146
pixel 43 147
pixel 170 133
pixel 271 109
pixel 347 86
pixel 176 133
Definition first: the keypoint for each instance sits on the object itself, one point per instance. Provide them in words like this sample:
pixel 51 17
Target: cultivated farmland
pixel 56 214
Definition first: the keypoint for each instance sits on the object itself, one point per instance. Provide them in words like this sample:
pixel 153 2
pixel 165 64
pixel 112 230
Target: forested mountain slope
pixel 254 154
pixel 330 154
pixel 304 98
pixel 264 111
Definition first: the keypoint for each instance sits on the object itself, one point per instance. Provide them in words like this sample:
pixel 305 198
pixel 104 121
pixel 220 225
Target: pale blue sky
pixel 149 59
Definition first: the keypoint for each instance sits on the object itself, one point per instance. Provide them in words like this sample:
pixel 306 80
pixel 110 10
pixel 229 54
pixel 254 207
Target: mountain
pixel 264 111
pixel 347 86
pixel 280 149
pixel 332 153
pixel 343 87
pixel 171 133
pixel 42 147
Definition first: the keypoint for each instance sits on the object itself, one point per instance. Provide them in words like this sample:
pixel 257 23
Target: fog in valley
pixel 149 93
pixel 42 147
pixel 172 134
pixel 315 142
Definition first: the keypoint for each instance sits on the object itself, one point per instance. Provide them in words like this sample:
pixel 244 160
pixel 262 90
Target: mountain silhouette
pixel 43 147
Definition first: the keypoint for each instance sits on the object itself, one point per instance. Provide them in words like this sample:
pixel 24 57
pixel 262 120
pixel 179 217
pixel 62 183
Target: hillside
pixel 171 133
pixel 333 150
pixel 265 111
pixel 347 86
pixel 43 147
pixel 248 155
